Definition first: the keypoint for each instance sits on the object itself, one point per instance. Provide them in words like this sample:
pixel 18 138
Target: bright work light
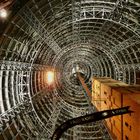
pixel 3 13
pixel 50 77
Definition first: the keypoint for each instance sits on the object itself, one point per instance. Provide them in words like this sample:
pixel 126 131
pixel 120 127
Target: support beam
pixel 84 85
pixel 133 66
pixel 30 18
pixel 114 13
pixel 25 106
pixel 20 66
pixel 76 9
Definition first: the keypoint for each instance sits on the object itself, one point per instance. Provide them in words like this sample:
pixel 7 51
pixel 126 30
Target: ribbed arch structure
pixel 101 37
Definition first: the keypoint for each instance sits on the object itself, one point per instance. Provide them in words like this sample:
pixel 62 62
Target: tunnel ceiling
pixel 102 38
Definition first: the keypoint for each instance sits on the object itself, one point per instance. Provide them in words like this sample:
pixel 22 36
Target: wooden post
pixel 82 80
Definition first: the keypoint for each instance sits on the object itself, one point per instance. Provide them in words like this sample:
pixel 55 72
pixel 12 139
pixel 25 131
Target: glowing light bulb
pixel 50 77
pixel 3 13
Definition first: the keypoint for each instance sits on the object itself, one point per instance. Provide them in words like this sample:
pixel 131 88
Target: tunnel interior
pixel 98 38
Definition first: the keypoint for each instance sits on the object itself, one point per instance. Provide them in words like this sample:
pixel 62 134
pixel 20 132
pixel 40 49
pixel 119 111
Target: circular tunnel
pixel 98 38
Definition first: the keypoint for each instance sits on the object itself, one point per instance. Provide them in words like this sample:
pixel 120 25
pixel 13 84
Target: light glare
pixel 3 13
pixel 50 77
